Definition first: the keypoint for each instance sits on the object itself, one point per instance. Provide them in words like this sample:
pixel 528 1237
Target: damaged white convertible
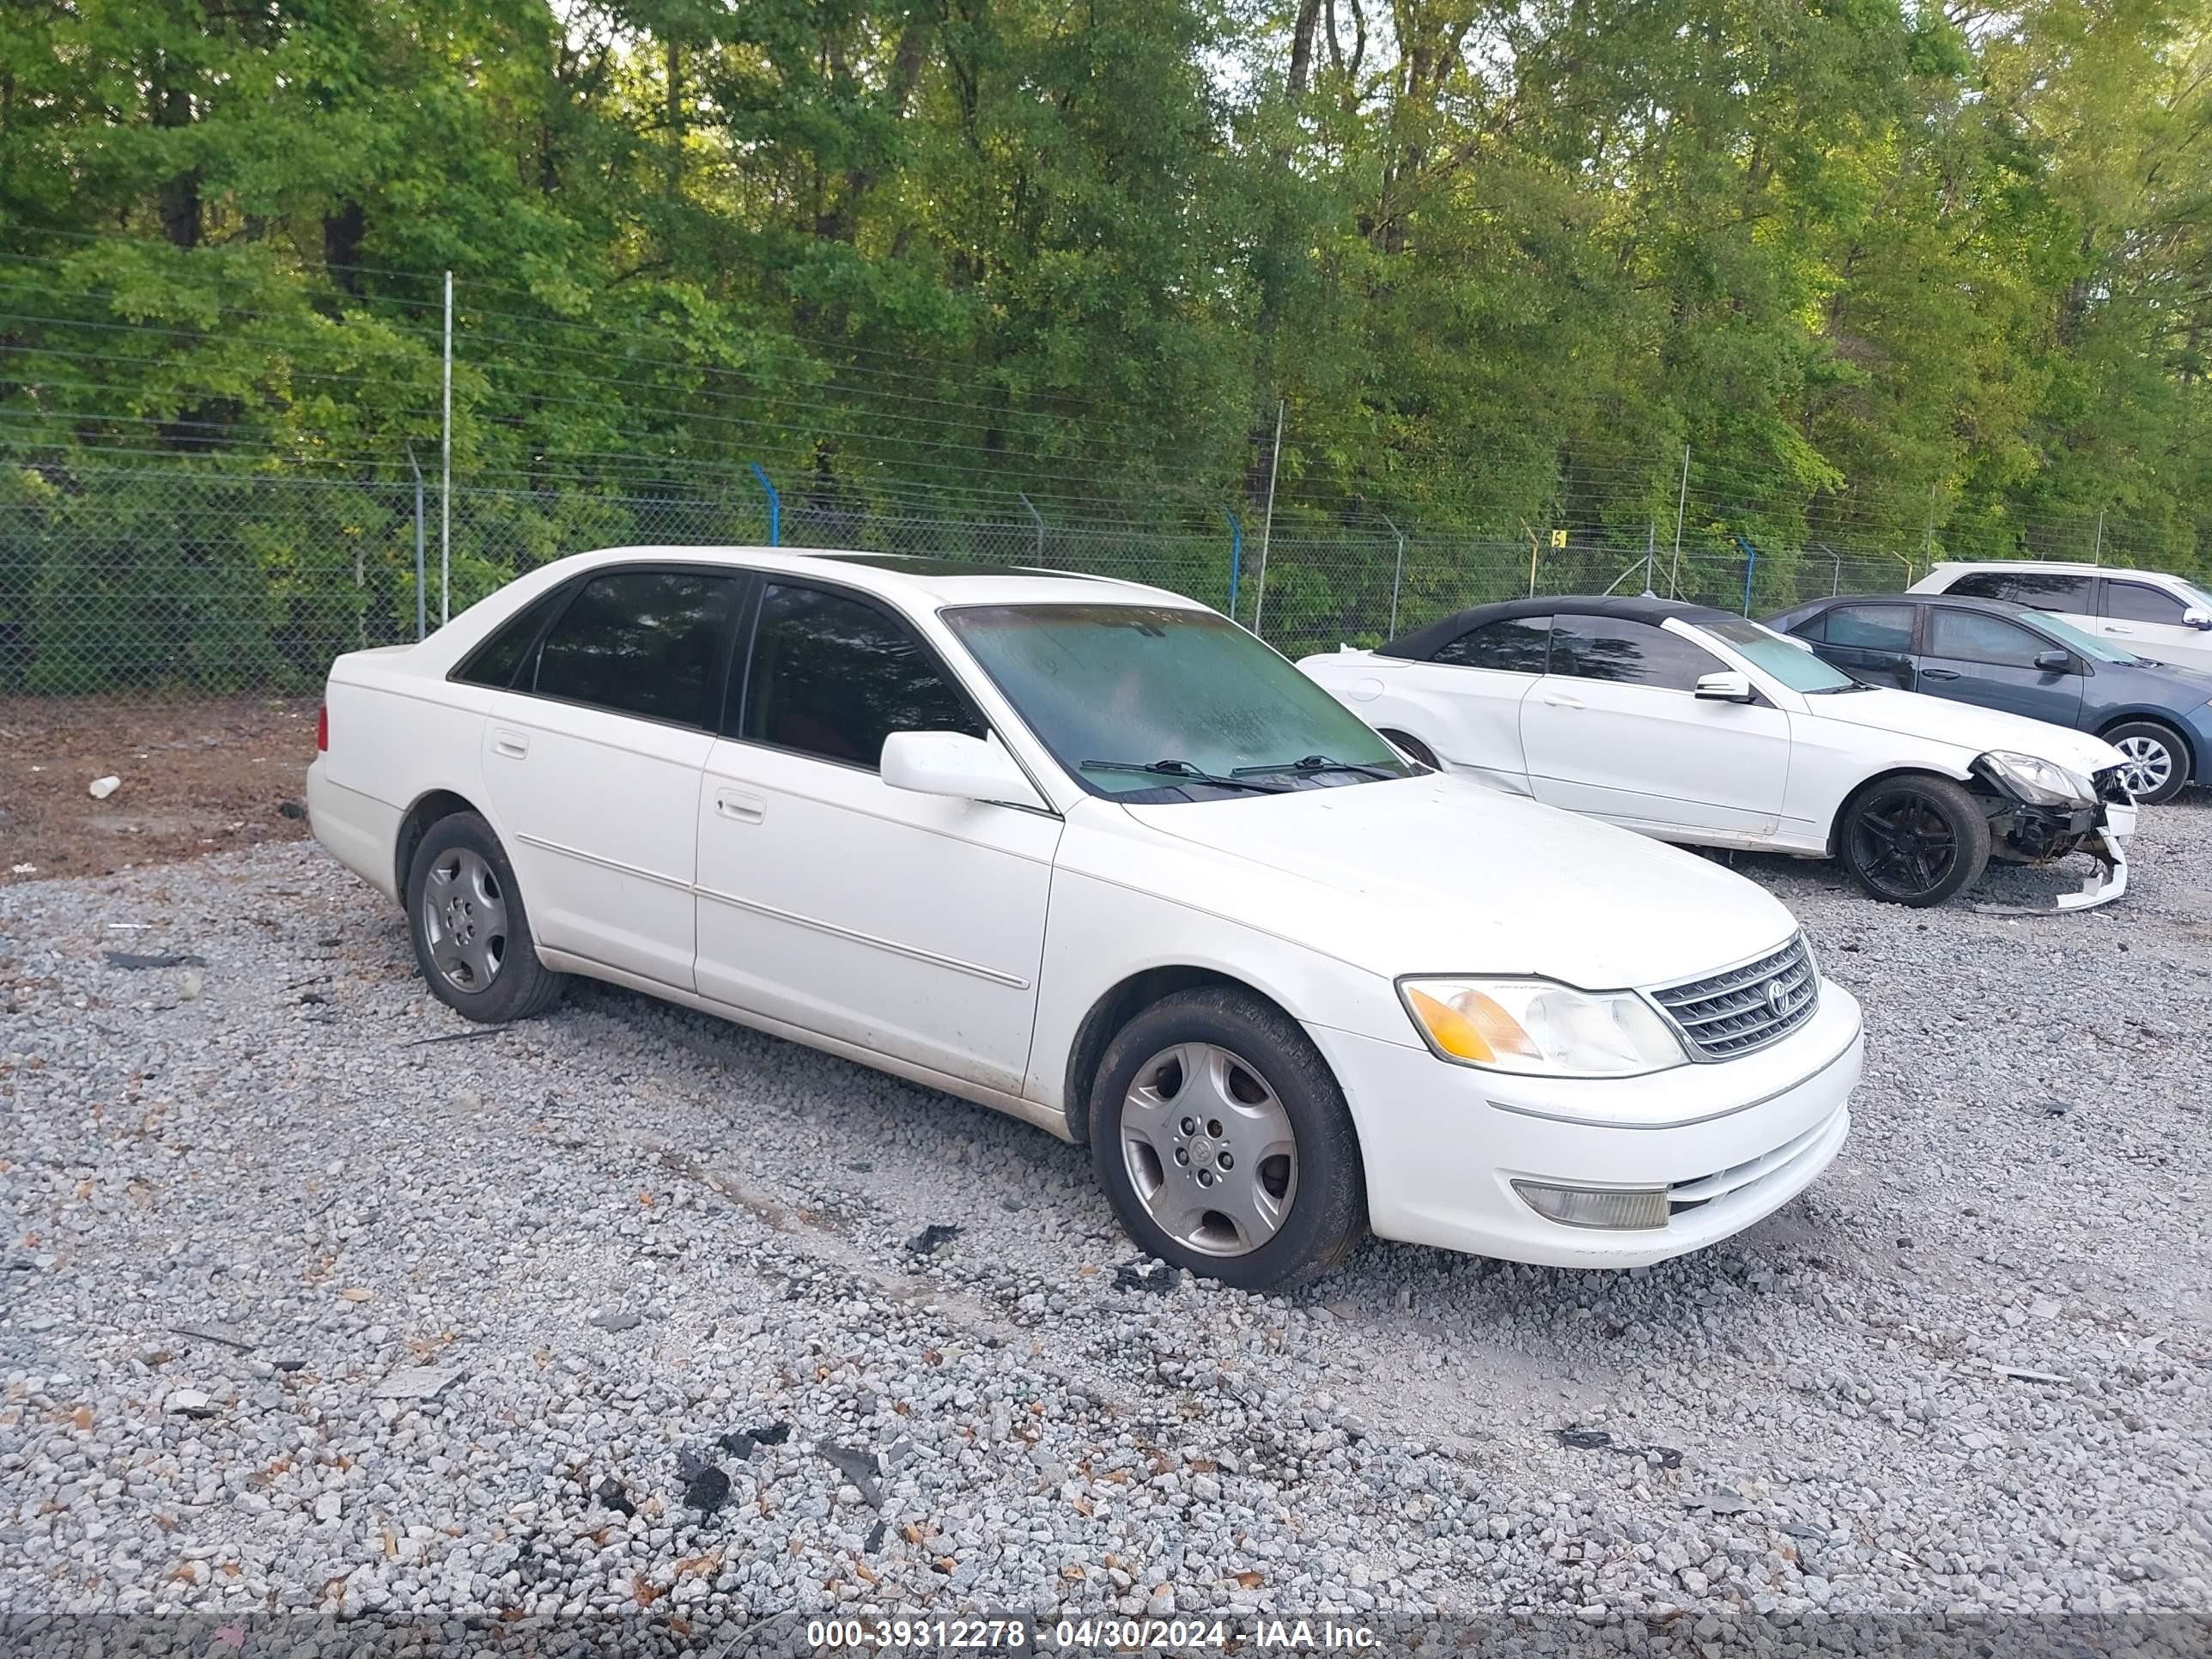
pixel 1695 726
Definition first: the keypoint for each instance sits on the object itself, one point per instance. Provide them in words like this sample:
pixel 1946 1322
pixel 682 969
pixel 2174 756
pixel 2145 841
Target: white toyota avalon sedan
pixel 1091 854
pixel 1695 726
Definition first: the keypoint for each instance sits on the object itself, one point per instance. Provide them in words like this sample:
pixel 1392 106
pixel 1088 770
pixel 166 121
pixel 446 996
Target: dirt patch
pixel 197 776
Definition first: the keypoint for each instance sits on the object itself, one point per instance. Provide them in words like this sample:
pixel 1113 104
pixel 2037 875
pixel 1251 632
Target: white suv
pixel 2145 613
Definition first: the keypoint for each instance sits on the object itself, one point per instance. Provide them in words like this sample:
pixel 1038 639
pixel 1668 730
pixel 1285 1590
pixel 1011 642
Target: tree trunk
pixel 342 237
pixel 179 201
pixel 1302 41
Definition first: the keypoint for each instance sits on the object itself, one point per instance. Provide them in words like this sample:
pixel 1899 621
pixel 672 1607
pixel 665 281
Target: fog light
pixel 1591 1206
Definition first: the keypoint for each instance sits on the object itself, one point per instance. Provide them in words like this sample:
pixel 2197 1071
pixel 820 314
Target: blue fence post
pixel 1236 558
pixel 775 507
pixel 1750 564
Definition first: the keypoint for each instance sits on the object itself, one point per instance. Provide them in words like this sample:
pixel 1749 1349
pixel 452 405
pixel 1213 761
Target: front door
pixel 1615 729
pixel 592 764
pixel 2147 622
pixel 1970 656
pixel 909 925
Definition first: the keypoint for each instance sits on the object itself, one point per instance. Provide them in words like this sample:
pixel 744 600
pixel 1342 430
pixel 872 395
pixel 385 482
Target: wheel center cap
pixel 1204 1153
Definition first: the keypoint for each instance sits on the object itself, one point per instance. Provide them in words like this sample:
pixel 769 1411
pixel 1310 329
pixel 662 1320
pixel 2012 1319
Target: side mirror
pixel 2197 617
pixel 2055 662
pixel 953 764
pixel 1724 688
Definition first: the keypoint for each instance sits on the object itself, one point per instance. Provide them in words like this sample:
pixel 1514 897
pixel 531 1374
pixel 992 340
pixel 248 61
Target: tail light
pixel 323 729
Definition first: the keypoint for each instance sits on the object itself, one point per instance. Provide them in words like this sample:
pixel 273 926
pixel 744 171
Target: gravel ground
pixel 692 1348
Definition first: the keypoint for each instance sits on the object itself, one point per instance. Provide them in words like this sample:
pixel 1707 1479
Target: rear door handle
pixel 739 807
pixel 512 745
pixel 1939 673
pixel 1561 700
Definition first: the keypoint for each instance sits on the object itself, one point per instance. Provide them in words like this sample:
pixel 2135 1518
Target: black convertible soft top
pixel 1424 643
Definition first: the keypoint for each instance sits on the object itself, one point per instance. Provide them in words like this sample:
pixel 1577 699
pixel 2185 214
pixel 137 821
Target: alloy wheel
pixel 1209 1149
pixel 1904 847
pixel 464 919
pixel 2147 765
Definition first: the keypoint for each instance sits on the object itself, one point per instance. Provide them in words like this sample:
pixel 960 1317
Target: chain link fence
pixel 185 579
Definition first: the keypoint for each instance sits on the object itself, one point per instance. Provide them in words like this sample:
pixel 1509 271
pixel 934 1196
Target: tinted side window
pixel 639 642
pixel 834 677
pixel 1872 627
pixel 1602 648
pixel 2139 602
pixel 1518 645
pixel 2047 590
pixel 497 659
pixel 1968 636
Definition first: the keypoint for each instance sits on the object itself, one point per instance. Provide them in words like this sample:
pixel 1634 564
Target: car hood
pixel 1438 874
pixel 1965 724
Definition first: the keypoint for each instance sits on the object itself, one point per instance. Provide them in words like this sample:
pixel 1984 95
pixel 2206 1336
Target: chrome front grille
pixel 1745 1008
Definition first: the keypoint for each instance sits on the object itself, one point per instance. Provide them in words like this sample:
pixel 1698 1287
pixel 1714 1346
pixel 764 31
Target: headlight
pixel 2038 782
pixel 1536 1026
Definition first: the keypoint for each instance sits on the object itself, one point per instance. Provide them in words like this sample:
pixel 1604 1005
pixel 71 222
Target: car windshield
pixel 2078 639
pixel 1166 703
pixel 1789 662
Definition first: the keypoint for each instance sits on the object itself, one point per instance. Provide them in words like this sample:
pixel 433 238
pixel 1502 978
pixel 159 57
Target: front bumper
pixel 1732 1141
pixel 2040 834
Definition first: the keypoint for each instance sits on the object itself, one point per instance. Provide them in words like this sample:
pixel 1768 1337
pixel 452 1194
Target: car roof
pixel 2069 565
pixel 1953 601
pixel 913 579
pixel 1424 642
pixel 2064 567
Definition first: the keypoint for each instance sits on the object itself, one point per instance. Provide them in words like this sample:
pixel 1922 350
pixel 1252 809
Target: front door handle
pixel 1561 700
pixel 2114 628
pixel 739 807
pixel 512 745
pixel 1939 673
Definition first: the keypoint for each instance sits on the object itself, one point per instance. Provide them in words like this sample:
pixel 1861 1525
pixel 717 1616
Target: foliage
pixel 1899 278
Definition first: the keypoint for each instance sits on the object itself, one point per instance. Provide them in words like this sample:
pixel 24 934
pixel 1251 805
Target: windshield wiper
pixel 1184 772
pixel 1314 764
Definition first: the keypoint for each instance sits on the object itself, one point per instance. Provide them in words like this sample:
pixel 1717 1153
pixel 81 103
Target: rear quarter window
pixel 499 660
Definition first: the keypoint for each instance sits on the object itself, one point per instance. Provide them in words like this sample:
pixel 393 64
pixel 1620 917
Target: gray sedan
pixel 2026 662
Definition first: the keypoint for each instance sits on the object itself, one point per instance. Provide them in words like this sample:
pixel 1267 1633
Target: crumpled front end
pixel 2031 833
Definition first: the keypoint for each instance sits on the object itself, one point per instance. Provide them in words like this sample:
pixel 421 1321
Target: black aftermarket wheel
pixel 1915 839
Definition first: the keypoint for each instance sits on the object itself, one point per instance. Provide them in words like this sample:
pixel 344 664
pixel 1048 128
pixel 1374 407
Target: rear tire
pixel 471 934
pixel 1414 747
pixel 2157 759
pixel 1915 839
pixel 1224 1143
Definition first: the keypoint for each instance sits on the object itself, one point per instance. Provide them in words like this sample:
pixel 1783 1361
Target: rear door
pixel 1614 728
pixel 1970 656
pixel 2146 620
pixel 593 764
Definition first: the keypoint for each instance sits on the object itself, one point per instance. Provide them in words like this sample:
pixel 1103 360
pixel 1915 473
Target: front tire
pixel 1414 747
pixel 2155 764
pixel 471 934
pixel 1915 839
pixel 1224 1143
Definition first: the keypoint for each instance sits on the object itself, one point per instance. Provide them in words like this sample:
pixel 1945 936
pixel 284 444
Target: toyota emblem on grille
pixel 1778 998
